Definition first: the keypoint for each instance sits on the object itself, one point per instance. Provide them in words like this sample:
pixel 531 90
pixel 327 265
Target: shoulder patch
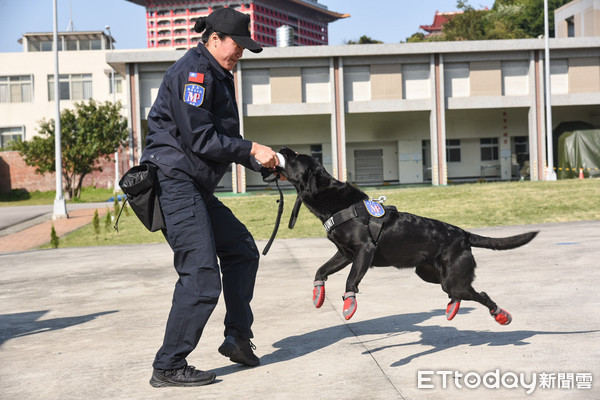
pixel 374 208
pixel 193 94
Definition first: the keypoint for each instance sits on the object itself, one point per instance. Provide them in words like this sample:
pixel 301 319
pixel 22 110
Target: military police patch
pixel 193 94
pixel 374 208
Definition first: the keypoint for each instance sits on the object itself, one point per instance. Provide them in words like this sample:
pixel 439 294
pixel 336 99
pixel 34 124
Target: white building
pixel 27 82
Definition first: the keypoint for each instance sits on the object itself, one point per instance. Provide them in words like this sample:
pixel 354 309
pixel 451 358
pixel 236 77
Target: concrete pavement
pixel 86 322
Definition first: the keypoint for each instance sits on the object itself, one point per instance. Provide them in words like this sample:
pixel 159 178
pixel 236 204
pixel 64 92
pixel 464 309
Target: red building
pixel 170 23
pixel 439 20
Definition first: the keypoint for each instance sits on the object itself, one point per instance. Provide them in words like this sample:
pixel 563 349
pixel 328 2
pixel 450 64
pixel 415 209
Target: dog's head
pixel 319 191
pixel 305 172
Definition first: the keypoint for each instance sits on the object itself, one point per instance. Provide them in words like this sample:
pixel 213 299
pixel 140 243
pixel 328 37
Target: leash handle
pixel 277 220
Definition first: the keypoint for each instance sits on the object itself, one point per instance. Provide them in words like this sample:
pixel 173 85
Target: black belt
pixel 358 210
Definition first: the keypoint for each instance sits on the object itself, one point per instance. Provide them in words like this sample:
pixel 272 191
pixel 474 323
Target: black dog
pixel 367 234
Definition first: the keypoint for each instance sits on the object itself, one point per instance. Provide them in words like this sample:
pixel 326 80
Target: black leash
pixel 295 212
pixel 279 212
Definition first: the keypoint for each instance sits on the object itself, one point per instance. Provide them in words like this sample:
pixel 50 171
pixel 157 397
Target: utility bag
pixel 139 185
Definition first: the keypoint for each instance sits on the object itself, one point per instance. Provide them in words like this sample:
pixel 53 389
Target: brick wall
pixel 15 174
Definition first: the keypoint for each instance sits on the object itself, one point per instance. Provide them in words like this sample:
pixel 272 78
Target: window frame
pixel 492 145
pixel 70 83
pixel 453 151
pixel 10 83
pixel 11 131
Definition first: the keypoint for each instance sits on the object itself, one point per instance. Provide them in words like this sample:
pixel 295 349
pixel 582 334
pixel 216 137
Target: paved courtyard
pixel 85 323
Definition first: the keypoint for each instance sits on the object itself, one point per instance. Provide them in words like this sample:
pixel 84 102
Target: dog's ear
pixel 313 178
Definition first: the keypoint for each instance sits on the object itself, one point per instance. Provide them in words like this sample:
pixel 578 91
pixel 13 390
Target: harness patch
pixel 193 94
pixel 374 208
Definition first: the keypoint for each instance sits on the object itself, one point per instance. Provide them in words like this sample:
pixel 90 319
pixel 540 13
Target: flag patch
pixel 196 77
pixel 193 94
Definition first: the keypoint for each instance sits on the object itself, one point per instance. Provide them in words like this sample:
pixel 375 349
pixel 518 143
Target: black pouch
pixel 139 184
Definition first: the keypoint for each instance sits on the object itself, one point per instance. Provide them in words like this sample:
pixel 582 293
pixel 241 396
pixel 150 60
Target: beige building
pixel 578 18
pixel 399 113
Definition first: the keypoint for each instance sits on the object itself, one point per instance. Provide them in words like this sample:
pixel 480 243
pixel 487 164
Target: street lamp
pixel 112 85
pixel 550 174
pixel 60 205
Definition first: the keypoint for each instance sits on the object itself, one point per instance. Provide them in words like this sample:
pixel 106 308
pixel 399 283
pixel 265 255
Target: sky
pixel 391 21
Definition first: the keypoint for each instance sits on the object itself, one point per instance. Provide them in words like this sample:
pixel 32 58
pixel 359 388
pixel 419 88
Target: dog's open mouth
pixel 287 155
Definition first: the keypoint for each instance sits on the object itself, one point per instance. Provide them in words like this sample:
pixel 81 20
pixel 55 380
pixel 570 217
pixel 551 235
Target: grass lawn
pixel 465 205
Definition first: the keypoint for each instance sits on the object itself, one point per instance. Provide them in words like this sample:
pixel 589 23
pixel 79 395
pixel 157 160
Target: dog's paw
pixel 501 316
pixel 349 305
pixel 318 293
pixel 452 309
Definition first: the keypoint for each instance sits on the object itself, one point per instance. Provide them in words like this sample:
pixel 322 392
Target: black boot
pixel 239 351
pixel 186 376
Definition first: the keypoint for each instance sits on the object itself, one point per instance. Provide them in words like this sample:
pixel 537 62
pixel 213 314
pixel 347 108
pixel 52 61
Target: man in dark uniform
pixel 193 138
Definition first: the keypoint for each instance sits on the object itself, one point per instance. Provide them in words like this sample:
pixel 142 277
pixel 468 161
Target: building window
pixel 256 87
pixel 489 149
pixel 92 44
pixel 71 87
pixel 515 79
pixel 559 76
pixel 315 85
pixel 10 134
pixel 118 84
pixel 456 80
pixel 44 45
pixel 453 150
pixel 357 83
pixel 316 151
pixel 570 27
pixel 16 89
pixel 415 81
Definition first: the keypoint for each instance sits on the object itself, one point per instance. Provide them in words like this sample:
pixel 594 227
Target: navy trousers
pixel 203 232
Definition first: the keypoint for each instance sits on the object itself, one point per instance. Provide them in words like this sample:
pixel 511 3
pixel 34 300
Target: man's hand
pixel 264 155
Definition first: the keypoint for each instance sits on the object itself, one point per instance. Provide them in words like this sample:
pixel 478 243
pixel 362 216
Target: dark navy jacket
pixel 193 126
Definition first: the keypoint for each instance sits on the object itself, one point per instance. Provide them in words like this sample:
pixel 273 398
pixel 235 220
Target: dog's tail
pixel 505 243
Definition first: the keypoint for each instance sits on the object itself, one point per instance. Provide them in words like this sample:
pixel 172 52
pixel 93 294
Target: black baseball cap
pixel 234 24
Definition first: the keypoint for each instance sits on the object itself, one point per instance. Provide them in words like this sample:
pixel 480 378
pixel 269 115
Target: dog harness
pixel 372 210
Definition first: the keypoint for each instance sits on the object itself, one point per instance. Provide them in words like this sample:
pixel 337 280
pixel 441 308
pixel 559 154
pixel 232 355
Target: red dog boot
pixel 452 309
pixel 319 293
pixel 349 305
pixel 502 317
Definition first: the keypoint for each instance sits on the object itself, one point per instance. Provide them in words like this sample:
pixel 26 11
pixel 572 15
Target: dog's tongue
pixel 281 160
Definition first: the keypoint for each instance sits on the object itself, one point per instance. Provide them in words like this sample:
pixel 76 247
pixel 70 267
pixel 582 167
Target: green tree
pixel 508 19
pixel 503 21
pixel 470 24
pixel 90 132
pixel 364 39
pixel 416 37
pixel 54 240
pixel 96 223
pixel 531 17
pixel 107 220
